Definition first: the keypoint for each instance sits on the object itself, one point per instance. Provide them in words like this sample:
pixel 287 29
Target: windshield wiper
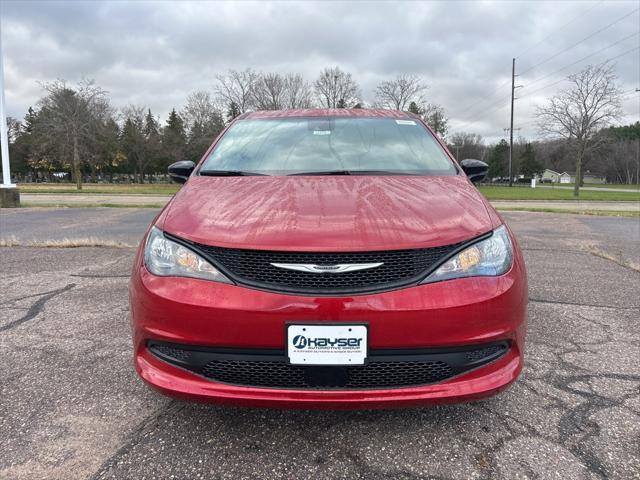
pixel 355 172
pixel 228 173
pixel 327 172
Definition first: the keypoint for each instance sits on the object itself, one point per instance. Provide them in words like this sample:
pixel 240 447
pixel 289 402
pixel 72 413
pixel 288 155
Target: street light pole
pixel 4 137
pixel 9 196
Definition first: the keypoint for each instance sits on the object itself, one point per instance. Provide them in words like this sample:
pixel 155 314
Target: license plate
pixel 342 344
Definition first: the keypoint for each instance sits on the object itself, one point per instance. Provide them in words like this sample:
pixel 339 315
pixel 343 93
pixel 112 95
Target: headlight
pixel 166 258
pixel 490 257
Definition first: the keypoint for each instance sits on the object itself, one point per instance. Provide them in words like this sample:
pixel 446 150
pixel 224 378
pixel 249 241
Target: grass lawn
pixel 526 193
pixel 108 188
pixel 491 192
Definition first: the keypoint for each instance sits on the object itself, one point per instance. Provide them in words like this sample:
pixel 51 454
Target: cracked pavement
pixel 72 407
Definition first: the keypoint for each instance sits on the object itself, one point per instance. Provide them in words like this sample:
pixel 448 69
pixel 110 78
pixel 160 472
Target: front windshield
pixel 289 146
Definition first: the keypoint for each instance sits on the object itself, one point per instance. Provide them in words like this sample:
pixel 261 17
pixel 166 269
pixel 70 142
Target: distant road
pixel 567 205
pixel 598 189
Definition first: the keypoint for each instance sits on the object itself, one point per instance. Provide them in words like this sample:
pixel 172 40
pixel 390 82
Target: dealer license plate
pixel 342 344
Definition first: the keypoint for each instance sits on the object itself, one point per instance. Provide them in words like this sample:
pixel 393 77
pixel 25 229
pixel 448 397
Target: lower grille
pixel 283 375
pixel 384 369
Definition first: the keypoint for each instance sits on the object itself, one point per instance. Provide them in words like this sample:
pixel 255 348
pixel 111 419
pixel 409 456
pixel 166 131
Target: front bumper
pixel 454 313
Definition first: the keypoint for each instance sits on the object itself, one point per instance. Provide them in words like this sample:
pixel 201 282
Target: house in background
pixel 551 176
pixel 593 178
pixel 566 177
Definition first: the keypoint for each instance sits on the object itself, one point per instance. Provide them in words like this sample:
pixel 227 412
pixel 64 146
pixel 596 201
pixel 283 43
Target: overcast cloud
pixel 154 54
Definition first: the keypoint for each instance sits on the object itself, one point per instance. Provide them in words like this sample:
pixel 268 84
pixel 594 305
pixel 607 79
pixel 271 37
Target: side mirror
pixel 476 170
pixel 180 171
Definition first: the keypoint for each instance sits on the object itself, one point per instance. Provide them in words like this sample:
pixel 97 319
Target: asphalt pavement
pixel 71 406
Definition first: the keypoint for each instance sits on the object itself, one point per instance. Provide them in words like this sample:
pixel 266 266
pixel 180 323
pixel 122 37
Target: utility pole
pixel 513 90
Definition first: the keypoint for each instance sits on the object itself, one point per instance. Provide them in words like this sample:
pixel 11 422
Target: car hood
pixel 327 213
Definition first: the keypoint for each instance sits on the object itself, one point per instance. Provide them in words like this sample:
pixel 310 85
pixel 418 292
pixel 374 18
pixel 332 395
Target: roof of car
pixel 328 112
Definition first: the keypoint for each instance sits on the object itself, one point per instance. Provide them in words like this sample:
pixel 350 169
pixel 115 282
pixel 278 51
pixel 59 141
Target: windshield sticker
pixel 405 122
pixel 322 132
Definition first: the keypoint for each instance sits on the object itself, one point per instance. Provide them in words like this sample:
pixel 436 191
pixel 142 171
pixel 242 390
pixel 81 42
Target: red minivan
pixel 328 259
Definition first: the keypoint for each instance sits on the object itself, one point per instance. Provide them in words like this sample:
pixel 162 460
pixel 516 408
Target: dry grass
pixel 11 241
pixel 616 258
pixel 64 243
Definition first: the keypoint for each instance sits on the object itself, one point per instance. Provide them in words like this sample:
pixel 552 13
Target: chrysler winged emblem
pixel 340 268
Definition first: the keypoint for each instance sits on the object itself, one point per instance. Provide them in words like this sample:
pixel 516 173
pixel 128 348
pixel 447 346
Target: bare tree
pixel 467 145
pixel 203 122
pixel 274 91
pixel 72 117
pixel 398 94
pixel 298 91
pixel 14 129
pixel 235 89
pixel 435 117
pixel 336 89
pixel 200 110
pixel 591 103
pixel 625 167
pixel 270 92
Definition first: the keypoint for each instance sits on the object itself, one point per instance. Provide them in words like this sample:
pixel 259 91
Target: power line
pixel 484 99
pixel 500 104
pixel 563 79
pixel 582 59
pixel 631 93
pixel 559 28
pixel 580 41
pixel 498 88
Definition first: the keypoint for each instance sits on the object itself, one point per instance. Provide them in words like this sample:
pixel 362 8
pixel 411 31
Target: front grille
pixel 253 268
pixel 384 369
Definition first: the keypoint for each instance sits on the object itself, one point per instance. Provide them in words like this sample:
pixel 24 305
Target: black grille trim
pixel 385 369
pixel 401 269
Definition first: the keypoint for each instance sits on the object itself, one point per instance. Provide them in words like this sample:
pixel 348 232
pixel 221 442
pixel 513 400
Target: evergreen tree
pixel 415 109
pixel 29 120
pixel 233 111
pixel 498 159
pixel 200 138
pixel 174 139
pixel 132 144
pixel 153 141
pixel 529 166
pixel 21 150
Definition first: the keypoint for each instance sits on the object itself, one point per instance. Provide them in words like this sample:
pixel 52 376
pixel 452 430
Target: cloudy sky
pixel 155 53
